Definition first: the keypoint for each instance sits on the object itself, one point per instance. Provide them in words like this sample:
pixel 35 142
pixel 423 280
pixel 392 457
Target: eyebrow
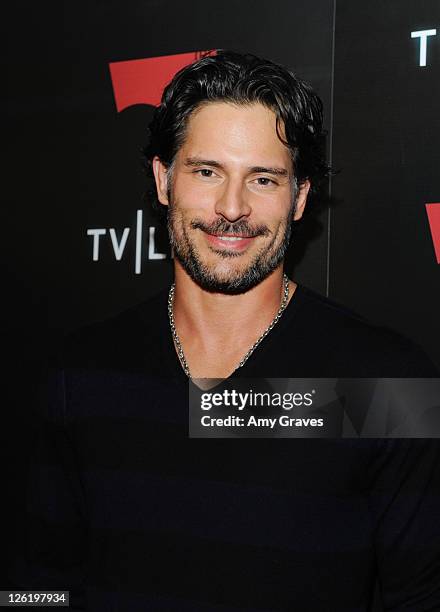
pixel 197 161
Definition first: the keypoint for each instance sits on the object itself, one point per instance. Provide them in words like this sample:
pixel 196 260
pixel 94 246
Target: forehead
pixel 235 133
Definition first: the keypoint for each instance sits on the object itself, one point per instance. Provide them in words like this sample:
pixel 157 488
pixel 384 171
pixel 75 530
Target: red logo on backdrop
pixel 433 211
pixel 142 81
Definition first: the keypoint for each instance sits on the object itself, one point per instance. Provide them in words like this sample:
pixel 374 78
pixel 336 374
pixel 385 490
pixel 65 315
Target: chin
pixel 226 286
pixel 229 282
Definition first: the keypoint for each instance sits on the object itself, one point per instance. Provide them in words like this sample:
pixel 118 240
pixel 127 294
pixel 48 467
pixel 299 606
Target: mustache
pixel 223 227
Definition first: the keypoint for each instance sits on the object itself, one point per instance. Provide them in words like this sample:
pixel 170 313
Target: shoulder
pixel 121 341
pixel 352 343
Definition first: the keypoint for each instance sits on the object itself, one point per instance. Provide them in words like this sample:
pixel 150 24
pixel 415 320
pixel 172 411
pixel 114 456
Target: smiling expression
pixel 232 196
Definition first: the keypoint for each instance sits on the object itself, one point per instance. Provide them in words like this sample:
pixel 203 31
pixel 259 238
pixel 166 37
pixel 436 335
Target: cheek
pixel 286 208
pixel 272 210
pixel 191 194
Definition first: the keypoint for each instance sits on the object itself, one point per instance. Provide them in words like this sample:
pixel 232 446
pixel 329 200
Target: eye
pixel 205 172
pixel 265 182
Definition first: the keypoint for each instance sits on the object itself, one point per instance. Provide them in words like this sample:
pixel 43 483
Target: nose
pixel 232 203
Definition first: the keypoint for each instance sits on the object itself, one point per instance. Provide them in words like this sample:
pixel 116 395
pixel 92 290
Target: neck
pixel 215 329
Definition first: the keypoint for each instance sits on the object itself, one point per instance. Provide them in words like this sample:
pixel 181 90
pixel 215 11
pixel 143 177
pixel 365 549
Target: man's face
pixel 231 194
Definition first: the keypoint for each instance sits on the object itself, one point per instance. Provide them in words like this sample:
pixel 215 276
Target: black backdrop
pixel 75 165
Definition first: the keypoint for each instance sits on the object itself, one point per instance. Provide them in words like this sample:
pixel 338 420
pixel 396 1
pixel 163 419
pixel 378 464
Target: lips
pixel 227 241
pixel 231 238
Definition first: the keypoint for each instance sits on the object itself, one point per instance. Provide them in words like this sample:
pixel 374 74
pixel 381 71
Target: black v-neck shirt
pixel 131 514
pixel 315 337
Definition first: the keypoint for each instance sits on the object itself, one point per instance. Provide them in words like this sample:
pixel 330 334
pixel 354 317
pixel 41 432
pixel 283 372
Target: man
pixel 128 512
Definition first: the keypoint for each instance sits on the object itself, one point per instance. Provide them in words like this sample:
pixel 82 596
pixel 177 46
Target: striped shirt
pixel 130 514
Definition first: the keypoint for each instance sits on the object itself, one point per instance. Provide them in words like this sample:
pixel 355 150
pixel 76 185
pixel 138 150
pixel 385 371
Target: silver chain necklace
pixel 178 344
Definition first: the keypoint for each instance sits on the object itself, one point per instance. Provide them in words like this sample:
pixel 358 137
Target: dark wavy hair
pixel 242 79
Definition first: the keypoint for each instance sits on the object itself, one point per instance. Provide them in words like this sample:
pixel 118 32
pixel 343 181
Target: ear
pixel 301 200
pixel 160 176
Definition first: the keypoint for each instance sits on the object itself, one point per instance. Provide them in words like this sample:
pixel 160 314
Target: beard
pixel 233 282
